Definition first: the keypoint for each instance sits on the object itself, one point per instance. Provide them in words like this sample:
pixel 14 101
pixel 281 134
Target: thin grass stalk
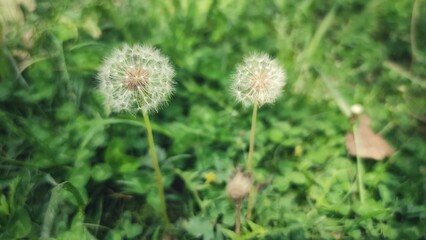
pixel 415 53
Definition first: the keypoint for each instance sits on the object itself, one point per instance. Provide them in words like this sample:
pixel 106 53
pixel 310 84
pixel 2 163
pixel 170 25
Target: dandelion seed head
pixel 136 78
pixel 356 109
pixel 259 79
pixel 239 185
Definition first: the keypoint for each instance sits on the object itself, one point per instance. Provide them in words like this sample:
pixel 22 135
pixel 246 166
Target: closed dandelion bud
pixel 258 79
pixel 136 78
pixel 239 185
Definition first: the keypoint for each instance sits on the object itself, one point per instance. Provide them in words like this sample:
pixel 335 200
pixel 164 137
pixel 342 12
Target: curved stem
pixel 156 166
pixel 250 161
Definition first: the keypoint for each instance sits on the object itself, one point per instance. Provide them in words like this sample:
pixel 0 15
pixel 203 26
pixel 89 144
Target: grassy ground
pixel 71 170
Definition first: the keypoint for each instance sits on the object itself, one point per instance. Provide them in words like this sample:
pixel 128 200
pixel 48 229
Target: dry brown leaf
pixel 11 12
pixel 371 146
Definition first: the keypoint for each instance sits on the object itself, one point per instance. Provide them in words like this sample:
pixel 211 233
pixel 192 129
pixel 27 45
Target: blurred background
pixel 71 170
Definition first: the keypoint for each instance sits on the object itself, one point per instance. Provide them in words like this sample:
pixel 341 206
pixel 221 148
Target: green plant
pixel 55 132
pixel 258 80
pixel 139 79
pixel 237 188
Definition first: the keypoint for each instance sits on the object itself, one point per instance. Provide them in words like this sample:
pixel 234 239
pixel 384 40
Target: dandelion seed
pixel 136 78
pixel 258 79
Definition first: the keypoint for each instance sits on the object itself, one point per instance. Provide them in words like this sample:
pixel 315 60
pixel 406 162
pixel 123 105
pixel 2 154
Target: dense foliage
pixel 71 170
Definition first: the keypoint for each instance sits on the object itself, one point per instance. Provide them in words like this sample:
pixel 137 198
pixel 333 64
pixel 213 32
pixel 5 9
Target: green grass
pixel 69 168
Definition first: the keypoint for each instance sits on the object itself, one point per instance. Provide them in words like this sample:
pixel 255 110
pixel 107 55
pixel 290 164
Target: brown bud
pixel 239 185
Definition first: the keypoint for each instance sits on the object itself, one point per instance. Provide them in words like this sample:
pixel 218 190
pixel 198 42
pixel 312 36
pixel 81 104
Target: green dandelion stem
pixel 252 139
pixel 361 188
pixel 156 166
pixel 250 160
pixel 238 216
pixel 250 202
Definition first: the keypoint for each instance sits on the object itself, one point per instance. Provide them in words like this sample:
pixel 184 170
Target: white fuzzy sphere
pixel 259 79
pixel 357 109
pixel 136 78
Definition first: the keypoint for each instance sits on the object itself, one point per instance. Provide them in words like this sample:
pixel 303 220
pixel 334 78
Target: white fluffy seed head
pixel 239 185
pixel 136 78
pixel 356 109
pixel 259 79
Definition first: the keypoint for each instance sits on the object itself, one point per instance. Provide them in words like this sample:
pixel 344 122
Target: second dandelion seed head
pixel 136 78
pixel 259 79
pixel 239 185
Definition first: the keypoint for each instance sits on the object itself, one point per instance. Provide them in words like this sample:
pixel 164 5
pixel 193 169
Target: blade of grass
pixel 340 100
pixel 188 180
pixel 404 73
pixel 15 67
pixel 304 62
pixel 52 206
pixel 415 53
pixel 319 34
pixel 99 123
pixel 63 69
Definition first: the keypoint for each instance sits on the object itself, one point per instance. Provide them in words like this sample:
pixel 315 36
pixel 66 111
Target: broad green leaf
pixel 78 230
pixel 153 199
pixel 101 172
pixel 20 224
pixel 256 228
pixel 370 209
pixel 297 178
pixel 200 227
pixel 69 187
